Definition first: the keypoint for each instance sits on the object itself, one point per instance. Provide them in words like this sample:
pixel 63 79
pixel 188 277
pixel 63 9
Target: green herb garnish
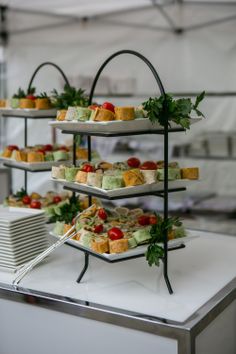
pixel 166 108
pixel 42 95
pixel 20 194
pixel 20 94
pixel 67 211
pixel 155 252
pixel 69 97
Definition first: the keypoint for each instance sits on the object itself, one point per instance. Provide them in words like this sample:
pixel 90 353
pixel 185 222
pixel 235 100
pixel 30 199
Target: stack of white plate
pixel 23 235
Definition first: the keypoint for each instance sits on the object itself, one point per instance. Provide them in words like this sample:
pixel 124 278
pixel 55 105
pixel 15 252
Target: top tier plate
pixel 28 113
pixel 117 127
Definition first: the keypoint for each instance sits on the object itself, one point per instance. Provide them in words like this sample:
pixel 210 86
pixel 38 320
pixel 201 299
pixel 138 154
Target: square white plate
pixel 28 112
pixel 21 232
pixel 144 188
pixel 23 252
pixel 116 126
pixel 10 216
pixel 22 259
pixel 139 250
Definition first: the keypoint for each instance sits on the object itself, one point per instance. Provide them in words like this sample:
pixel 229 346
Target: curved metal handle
pixel 44 64
pixel 132 52
pixel 162 90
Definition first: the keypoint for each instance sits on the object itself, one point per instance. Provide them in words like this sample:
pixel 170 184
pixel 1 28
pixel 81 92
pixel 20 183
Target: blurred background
pixel 192 45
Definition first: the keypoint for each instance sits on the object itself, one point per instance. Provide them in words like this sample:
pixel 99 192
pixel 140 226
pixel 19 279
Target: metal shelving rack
pixel 26 117
pixel 164 194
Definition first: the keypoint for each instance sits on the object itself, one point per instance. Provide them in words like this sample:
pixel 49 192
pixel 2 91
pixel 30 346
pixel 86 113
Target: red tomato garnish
pixel 109 106
pixel 48 147
pixel 31 97
pixel 148 165
pixel 12 147
pixel 41 150
pixel 26 200
pixel 98 229
pixel 143 220
pixel 93 106
pixel 102 214
pixel 56 199
pixel 87 168
pixel 133 162
pixel 63 148
pixel 115 233
pixel 153 220
pixel 35 204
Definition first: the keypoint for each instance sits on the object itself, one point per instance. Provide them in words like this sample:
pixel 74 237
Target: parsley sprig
pixel 166 108
pixel 69 97
pixel 20 193
pixel 67 211
pixel 155 251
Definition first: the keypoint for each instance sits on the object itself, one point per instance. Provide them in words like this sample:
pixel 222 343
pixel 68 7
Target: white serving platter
pixel 125 191
pixel 116 126
pixel 28 113
pixel 33 166
pixel 139 250
pixel 36 166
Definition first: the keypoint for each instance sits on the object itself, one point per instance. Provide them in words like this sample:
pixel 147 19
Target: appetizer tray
pixel 139 125
pixel 126 192
pixel 33 166
pixel 28 113
pixel 131 253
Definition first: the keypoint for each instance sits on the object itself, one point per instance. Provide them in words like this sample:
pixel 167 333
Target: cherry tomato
pixel 48 147
pixel 63 148
pixel 143 220
pixel 87 168
pixel 148 165
pixel 109 106
pixel 93 106
pixel 41 150
pixel 31 97
pixel 26 200
pixel 12 147
pixel 102 214
pixel 115 233
pixel 35 204
pixel 98 229
pixel 152 220
pixel 133 162
pixel 56 199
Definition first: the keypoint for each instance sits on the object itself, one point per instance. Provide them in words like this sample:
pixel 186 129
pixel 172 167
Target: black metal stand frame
pixel 26 118
pixel 164 131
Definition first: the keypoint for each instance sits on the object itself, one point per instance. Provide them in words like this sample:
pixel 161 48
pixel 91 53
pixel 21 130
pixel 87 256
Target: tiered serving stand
pixel 100 130
pixel 27 114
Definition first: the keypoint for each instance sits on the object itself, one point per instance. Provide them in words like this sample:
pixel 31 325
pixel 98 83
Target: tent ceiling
pixel 89 8
pixel 168 15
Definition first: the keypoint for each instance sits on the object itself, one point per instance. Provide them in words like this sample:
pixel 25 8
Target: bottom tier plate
pixel 132 253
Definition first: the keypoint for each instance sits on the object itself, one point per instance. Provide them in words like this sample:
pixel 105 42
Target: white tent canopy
pixel 80 35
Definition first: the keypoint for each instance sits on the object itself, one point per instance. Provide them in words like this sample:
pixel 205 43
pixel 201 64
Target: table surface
pixel 197 273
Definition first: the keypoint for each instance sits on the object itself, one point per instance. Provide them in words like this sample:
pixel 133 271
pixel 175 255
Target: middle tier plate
pixel 116 127
pixel 125 192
